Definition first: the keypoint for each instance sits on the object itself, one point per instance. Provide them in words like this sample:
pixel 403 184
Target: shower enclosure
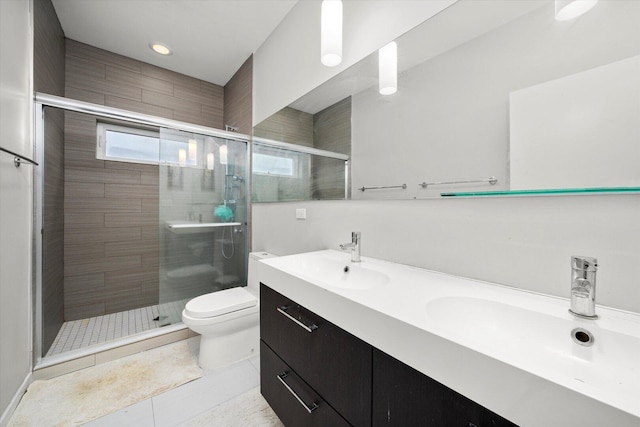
pixel 138 215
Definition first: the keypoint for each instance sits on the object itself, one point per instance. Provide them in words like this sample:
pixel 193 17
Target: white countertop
pixel 507 349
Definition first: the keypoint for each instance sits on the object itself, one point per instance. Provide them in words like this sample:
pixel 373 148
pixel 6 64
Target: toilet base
pixel 219 351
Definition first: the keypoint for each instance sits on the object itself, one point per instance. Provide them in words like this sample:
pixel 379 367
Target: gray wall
pixel 111 208
pixel 16 195
pixel 48 76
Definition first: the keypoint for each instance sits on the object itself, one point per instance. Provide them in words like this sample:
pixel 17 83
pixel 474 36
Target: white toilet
pixel 228 320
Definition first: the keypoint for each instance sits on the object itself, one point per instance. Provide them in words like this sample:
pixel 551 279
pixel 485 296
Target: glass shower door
pixel 203 218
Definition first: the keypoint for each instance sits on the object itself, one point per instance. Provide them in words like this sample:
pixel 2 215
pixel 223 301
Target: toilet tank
pixel 253 282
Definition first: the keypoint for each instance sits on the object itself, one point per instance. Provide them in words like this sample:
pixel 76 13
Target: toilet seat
pixel 220 303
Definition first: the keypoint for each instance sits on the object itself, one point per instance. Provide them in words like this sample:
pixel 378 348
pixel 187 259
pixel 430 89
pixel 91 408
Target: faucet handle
pixel 584 263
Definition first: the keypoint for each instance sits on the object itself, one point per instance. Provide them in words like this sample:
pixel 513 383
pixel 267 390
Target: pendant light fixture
pixel 388 69
pixel 569 9
pixel 222 154
pixel 192 150
pixel 331 32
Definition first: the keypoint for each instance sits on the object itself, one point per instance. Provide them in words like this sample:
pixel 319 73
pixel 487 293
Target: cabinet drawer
pixel 333 362
pixel 293 400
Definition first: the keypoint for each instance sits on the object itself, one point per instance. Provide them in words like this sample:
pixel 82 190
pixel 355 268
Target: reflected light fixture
pixel 569 9
pixel 388 69
pixel 331 32
pixel 193 148
pixel 210 161
pixel 182 157
pixel 223 154
pixel 160 48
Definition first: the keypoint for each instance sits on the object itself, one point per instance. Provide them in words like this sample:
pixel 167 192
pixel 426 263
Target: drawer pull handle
pixel 309 408
pixel 283 310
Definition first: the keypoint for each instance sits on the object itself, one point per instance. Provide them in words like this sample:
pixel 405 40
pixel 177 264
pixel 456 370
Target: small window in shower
pixel 127 144
pixel 266 164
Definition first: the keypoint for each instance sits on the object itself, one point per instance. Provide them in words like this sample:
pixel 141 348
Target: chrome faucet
pixel 583 286
pixel 354 246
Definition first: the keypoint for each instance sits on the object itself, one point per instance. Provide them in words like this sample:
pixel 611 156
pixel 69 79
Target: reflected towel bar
pixel 403 186
pixel 492 180
pixel 17 159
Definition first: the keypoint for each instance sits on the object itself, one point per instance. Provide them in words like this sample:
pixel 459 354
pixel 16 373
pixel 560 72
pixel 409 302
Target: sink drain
pixel 582 337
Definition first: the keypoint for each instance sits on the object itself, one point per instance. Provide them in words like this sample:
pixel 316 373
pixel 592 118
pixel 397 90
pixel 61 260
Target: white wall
pixel 287 65
pixel 525 242
pixel 16 41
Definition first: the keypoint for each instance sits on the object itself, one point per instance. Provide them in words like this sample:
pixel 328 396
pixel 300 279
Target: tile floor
pixel 191 403
pixel 94 330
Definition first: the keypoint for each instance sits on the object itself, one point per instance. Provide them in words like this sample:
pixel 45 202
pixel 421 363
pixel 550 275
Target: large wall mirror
pixel 493 96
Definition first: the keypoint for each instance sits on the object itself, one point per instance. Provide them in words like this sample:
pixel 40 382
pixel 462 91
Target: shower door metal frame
pixel 41 101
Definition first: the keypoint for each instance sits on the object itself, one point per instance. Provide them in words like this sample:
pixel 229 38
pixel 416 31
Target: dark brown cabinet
pixel 404 397
pixel 314 373
pixel 335 364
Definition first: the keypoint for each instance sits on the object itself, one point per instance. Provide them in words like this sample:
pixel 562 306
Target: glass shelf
pixel 546 192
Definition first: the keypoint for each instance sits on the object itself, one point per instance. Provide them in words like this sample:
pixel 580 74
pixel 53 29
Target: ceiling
pixel 210 39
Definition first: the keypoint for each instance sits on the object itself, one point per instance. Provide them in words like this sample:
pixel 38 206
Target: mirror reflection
pixel 494 95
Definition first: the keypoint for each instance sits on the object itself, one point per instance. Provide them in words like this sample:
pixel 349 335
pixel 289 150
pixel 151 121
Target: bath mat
pixel 248 409
pixel 81 396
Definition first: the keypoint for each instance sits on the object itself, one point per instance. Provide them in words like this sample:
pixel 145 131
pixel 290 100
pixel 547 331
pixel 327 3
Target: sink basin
pixel 511 350
pixel 332 269
pixel 543 339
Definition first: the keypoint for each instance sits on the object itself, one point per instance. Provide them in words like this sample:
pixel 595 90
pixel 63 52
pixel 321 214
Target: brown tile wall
pixel 48 75
pixel 287 125
pixel 238 98
pixel 331 132
pixel 111 245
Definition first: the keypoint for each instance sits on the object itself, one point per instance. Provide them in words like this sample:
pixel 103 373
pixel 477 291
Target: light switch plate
pixel 301 213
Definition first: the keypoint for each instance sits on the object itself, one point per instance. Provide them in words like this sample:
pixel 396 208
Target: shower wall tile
pixel 90 189
pixel 85 95
pixel 124 76
pixel 84 204
pixel 151 71
pixel 205 94
pixel 102 265
pixel 137 106
pixel 238 98
pixel 149 178
pixel 131 190
pixel 72 253
pixel 111 208
pixel 85 220
pixel 105 176
pixel 131 219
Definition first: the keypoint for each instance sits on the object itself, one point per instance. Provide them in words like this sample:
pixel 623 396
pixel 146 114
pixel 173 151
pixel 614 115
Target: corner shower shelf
pixel 180 227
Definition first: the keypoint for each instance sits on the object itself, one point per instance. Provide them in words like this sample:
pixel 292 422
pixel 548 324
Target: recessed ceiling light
pixel 160 48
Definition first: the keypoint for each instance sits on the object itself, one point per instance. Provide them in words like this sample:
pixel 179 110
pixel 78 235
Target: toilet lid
pixel 219 303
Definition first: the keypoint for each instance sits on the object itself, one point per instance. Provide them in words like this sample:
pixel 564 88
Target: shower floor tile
pixel 95 330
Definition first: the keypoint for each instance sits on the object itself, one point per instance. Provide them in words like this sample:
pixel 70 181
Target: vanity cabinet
pixel 403 396
pixel 321 363
pixel 314 373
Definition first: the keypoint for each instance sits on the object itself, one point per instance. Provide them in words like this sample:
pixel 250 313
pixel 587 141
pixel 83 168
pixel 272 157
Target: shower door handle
pixel 283 310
